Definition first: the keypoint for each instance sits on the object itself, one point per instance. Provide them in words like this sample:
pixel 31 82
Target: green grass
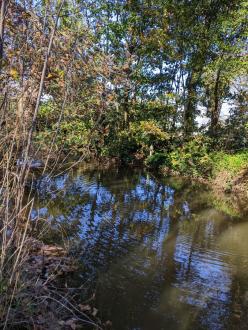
pixel 233 163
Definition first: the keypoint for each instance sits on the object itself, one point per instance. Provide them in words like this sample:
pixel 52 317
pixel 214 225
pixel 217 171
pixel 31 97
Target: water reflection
pixel 158 253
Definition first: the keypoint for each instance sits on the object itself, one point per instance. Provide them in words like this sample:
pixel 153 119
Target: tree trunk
pixel 216 106
pixel 190 107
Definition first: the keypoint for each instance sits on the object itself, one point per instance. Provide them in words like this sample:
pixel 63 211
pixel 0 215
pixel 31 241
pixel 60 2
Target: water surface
pixel 158 252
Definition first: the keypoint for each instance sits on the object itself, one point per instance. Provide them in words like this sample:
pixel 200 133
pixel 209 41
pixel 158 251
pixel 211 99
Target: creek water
pixel 159 253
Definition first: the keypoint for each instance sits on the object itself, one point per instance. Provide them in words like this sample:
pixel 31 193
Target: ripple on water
pixel 160 254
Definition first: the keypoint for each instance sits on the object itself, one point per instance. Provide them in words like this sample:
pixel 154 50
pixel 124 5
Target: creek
pixel 159 253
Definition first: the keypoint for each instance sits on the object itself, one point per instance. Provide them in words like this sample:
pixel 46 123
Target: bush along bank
pixel 146 138
pixel 224 171
pixel 148 142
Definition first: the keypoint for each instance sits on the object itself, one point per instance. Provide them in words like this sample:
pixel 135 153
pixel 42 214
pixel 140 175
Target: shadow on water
pixel 157 252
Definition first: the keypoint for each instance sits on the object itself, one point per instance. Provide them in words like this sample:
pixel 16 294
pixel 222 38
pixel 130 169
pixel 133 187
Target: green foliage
pixel 47 109
pixel 147 133
pixel 234 135
pixel 192 158
pixel 137 138
pixel 48 114
pixel 123 146
pixel 157 160
pixel 232 163
pixel 73 136
pixel 139 85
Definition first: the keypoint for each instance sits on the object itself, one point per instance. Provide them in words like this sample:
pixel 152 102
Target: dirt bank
pixel 232 187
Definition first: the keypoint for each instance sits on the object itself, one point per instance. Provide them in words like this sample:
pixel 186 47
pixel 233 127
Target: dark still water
pixel 159 253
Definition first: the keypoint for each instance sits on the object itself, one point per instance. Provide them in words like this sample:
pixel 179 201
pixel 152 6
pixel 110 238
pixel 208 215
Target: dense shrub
pixel 137 138
pixel 157 160
pixel 147 133
pixel 192 157
pixel 123 145
pixel 71 135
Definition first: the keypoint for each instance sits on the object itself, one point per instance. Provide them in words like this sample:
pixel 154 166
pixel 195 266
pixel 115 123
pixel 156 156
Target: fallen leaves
pixel 52 250
pixel 87 308
pixel 84 308
pixel 71 323
pixel 48 260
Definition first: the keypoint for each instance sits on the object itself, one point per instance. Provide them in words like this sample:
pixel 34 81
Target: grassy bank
pixel 227 172
pixel 230 173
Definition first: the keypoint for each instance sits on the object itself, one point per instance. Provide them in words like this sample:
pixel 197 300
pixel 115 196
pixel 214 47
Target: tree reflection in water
pixel 155 250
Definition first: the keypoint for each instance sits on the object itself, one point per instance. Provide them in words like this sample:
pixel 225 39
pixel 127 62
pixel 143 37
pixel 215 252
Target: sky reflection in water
pixel 159 255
